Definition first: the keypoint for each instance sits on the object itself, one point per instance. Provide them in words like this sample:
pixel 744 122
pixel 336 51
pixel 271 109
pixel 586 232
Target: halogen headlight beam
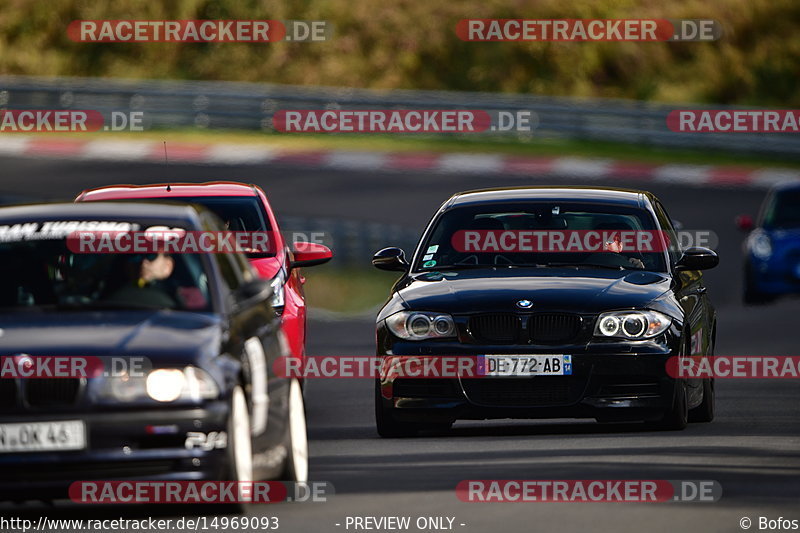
pixel 634 325
pixel 421 325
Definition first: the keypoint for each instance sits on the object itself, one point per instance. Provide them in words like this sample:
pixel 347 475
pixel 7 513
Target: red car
pixel 244 208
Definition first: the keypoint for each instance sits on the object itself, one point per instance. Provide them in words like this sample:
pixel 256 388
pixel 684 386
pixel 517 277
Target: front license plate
pixel 527 365
pixel 43 436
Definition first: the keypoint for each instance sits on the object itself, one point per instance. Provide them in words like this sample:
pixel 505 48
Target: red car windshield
pixel 239 213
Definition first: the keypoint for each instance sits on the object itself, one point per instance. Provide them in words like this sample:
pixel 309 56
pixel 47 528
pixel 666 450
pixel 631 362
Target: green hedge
pixel 412 44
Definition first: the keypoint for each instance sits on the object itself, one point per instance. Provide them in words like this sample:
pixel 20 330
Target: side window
pixel 666 224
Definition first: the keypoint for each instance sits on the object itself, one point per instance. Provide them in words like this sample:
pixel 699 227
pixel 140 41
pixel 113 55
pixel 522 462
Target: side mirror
pixel 308 254
pixel 697 258
pixel 393 259
pixel 744 222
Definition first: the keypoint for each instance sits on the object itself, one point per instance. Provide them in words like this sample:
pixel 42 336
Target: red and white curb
pixel 446 163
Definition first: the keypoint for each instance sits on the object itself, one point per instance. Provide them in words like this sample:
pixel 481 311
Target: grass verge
pixel 347 290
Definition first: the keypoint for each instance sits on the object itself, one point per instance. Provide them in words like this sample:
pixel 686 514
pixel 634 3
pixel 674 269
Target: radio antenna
pixel 166 160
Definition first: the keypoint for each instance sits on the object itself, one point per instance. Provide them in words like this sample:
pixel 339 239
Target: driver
pixel 141 277
pixel 615 245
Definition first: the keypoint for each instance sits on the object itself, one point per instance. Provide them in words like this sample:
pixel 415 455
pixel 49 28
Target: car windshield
pixel 542 235
pixel 784 210
pixel 239 213
pixel 45 274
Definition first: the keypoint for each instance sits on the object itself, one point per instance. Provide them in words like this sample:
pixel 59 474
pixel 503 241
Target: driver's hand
pixel 158 269
pixel 636 262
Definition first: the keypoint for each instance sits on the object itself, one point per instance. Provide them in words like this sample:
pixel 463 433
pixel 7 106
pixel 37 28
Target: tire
pixel 705 411
pixel 295 467
pixel 390 428
pixel 240 446
pixel 677 417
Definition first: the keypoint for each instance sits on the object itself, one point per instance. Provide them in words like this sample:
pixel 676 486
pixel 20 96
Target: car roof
pixel 187 215
pixel 166 190
pixel 601 195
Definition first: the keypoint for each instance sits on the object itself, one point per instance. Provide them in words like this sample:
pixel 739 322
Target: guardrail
pixel 251 106
pixel 353 242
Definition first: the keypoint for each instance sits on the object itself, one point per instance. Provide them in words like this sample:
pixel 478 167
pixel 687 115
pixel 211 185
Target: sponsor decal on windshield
pixel 58 229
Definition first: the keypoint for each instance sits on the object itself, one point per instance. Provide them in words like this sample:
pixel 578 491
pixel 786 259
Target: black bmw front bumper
pixel 121 445
pixel 609 382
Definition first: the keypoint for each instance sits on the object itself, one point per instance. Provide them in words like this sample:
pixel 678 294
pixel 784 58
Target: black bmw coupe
pixel 561 331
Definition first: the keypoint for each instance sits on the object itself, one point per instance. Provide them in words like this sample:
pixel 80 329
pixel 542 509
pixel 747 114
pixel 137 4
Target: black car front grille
pixel 495 328
pixel 52 392
pixel 554 328
pixel 543 328
pixel 540 391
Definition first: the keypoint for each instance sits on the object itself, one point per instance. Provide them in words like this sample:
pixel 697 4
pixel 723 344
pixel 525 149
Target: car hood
pixel 157 335
pixel 577 290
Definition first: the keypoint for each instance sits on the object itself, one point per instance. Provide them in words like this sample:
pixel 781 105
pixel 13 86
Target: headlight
pixel 278 298
pixel 162 385
pixel 761 245
pixel 631 324
pixel 417 325
pixel 165 385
